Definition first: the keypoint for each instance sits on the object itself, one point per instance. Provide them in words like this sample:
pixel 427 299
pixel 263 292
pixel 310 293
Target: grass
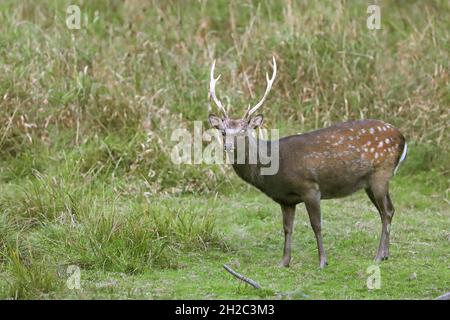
pixel 86 177
pixel 128 245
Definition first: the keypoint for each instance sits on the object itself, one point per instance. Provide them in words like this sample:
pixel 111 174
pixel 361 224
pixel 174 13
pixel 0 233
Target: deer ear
pixel 215 121
pixel 256 121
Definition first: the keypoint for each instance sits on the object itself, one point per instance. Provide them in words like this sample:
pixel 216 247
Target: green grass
pixel 128 245
pixel 86 177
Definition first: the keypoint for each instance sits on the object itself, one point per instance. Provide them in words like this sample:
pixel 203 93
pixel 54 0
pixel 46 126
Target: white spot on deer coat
pixel 372 130
pixel 380 144
pixel 387 140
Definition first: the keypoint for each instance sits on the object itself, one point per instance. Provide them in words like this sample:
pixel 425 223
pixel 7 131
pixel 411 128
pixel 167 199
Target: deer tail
pixel 402 157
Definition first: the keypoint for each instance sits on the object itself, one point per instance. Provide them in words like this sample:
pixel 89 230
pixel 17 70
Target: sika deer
pixel 323 164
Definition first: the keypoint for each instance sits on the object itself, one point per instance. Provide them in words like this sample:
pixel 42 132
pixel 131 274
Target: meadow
pixel 88 188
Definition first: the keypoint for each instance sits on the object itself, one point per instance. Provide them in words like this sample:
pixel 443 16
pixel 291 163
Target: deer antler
pixel 269 86
pixel 212 90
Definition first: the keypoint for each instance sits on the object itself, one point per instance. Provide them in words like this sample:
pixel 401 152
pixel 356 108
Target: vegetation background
pixel 85 122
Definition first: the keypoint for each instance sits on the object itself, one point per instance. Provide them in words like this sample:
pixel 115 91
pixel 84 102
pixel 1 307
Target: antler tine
pixel 269 86
pixel 212 89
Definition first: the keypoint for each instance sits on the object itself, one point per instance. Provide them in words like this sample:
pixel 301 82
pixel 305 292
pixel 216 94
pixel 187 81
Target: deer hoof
pixel 381 257
pixel 283 264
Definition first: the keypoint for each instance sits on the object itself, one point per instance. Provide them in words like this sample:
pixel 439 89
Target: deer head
pixel 233 128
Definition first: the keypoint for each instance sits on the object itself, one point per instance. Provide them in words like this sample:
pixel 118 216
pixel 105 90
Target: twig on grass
pixel 445 296
pixel 241 277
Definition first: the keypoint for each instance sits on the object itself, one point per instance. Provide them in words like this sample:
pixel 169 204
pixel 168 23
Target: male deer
pixel 323 164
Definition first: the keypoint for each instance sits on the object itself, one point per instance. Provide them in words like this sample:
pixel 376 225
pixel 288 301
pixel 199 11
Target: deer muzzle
pixel 228 147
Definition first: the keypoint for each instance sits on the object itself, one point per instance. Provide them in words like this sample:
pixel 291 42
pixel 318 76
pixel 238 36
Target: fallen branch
pixel 445 296
pixel 241 277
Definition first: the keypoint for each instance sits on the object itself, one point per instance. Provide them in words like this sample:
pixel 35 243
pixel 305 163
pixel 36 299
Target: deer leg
pixel 288 226
pixel 313 207
pixel 390 215
pixel 379 195
pixel 381 254
pixel 372 199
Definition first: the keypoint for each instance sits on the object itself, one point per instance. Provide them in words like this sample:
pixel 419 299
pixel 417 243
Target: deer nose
pixel 228 147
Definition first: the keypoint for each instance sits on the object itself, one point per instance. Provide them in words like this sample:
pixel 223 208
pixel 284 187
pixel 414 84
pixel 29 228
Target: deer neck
pixel 250 169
